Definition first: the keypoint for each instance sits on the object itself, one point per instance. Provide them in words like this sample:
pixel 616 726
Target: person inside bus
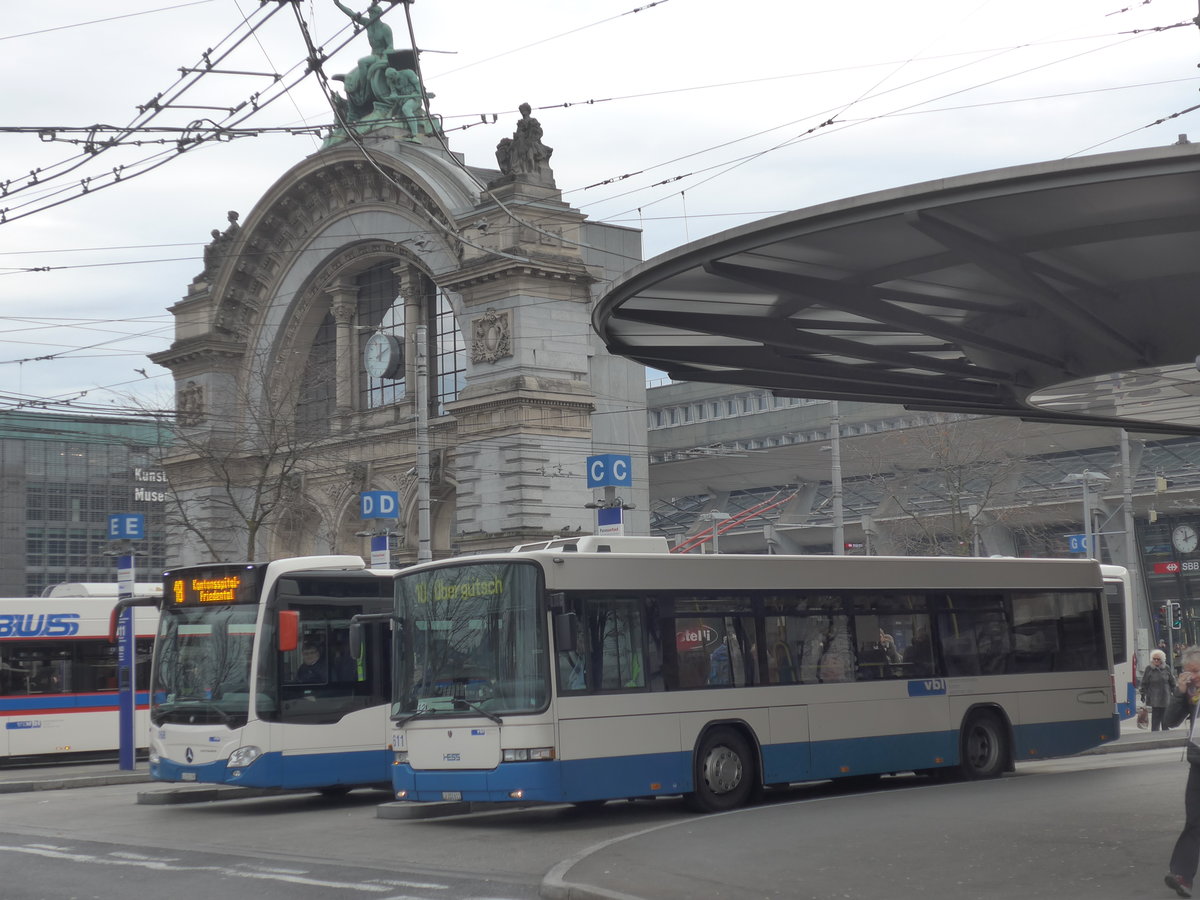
pixel 312 666
pixel 49 682
pixel 875 660
pixel 918 656
pixel 345 666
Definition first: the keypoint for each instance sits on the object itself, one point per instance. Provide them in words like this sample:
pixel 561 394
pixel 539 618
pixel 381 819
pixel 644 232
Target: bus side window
pixel 572 674
pixel 610 654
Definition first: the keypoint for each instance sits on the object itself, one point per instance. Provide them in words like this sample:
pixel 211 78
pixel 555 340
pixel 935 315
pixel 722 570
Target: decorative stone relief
pixel 491 336
pixel 189 405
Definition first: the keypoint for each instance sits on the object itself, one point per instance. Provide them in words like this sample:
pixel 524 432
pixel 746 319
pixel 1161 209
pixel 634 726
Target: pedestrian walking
pixel 1186 856
pixel 1156 688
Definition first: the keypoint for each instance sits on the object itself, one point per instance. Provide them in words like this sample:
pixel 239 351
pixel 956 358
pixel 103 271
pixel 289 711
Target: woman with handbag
pixel 1155 689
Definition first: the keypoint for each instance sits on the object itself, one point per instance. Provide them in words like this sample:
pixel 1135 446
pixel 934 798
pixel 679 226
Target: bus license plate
pixel 451 795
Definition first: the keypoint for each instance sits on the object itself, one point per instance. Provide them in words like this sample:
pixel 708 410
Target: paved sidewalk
pixel 58 776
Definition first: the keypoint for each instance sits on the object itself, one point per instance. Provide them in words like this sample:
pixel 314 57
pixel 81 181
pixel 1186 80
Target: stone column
pixel 343 305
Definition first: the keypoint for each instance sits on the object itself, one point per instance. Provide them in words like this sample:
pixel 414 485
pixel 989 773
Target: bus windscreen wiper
pixel 459 703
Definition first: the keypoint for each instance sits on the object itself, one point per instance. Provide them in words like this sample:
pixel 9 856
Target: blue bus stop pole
pixel 126 667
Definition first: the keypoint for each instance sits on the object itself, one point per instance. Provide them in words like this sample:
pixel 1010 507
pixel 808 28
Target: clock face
pixel 1185 538
pixel 382 357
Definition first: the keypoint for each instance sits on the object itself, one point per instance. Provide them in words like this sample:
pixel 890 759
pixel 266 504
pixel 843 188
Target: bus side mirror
pixel 565 633
pixel 289 630
pixel 356 640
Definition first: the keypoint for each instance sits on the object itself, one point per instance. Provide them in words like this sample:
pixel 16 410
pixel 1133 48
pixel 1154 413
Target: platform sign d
pixel 378 504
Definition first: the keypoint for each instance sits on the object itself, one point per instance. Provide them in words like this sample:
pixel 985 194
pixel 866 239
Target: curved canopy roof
pixel 1065 292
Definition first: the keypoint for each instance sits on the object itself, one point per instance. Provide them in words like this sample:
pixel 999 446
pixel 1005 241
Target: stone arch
pixel 442 499
pixel 299 532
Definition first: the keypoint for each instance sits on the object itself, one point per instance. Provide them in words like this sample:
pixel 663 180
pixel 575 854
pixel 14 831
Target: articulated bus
pixel 579 673
pixel 1119 597
pixel 58 672
pixel 253 683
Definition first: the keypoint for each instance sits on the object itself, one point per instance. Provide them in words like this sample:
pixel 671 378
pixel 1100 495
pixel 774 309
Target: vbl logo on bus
pixel 927 687
pixel 39 624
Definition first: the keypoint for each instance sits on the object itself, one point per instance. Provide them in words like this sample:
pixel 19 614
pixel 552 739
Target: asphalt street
pixel 698 858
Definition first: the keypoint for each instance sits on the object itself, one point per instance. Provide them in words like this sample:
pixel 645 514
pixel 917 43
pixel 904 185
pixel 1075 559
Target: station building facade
pixel 384 299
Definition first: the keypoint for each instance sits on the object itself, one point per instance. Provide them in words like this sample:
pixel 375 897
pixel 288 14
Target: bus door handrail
pixel 121 606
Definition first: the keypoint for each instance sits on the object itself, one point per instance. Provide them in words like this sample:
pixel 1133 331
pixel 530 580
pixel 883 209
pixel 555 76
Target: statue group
pixel 384 88
pixel 220 245
pixel 524 155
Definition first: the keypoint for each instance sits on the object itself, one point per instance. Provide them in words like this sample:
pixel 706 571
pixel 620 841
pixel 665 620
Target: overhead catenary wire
pixel 864 120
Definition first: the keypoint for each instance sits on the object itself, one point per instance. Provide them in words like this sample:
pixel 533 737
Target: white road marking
pixel 168 866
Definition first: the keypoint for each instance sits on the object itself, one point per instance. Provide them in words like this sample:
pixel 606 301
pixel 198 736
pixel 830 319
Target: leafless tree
pixel 941 483
pixel 237 463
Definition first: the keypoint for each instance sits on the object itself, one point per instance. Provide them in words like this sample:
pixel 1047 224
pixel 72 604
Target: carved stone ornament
pixel 491 336
pixel 189 405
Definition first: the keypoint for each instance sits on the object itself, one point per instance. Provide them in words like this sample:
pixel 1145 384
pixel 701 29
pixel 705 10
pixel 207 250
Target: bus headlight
pixel 243 756
pixel 400 758
pixel 155 759
pixel 528 754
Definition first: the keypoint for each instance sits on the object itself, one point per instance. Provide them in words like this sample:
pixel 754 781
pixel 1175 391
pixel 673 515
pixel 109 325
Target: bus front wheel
pixel 725 772
pixel 984 747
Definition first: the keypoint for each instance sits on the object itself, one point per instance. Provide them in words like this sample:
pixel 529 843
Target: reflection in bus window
pixel 610 654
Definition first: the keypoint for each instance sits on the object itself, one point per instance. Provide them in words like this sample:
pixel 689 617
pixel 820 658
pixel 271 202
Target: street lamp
pixel 717 517
pixel 1087 478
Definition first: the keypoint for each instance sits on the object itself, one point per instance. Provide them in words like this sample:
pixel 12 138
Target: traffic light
pixel 1173 613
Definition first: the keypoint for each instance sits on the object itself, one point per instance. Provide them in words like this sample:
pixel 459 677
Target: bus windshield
pixel 202 665
pixel 473 639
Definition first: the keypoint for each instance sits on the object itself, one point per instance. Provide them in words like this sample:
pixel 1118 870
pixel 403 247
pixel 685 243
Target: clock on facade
pixel 1185 538
pixel 383 356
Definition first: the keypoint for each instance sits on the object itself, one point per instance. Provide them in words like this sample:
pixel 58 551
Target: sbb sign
pixel 1174 568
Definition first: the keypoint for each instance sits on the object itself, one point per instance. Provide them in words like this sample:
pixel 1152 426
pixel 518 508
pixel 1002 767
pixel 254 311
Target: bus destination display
pixel 237 584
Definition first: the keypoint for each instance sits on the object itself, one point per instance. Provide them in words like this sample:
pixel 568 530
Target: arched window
pixel 380 310
pixel 317 398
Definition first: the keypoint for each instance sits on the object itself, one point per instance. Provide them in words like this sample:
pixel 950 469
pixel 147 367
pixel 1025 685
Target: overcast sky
pixel 721 113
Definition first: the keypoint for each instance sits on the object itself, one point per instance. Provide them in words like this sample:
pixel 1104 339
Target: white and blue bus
pixel 253 683
pixel 58 673
pixel 580 673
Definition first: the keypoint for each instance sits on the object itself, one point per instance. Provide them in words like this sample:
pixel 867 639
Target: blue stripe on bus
pixel 636 776
pixel 274 770
pixel 51 703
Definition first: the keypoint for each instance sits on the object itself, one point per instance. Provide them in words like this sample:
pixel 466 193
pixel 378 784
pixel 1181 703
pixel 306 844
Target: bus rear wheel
pixel 725 772
pixel 984 747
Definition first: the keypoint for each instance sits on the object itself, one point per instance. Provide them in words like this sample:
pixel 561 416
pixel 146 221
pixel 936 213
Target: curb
pixel 78 781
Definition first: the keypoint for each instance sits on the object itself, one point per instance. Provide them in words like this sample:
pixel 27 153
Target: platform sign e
pixel 126 526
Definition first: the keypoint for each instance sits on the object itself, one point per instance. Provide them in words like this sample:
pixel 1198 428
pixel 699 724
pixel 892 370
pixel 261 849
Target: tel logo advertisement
pixel 694 638
pixel 39 624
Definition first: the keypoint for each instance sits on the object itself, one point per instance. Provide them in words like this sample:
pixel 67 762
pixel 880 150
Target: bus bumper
pixel 291 771
pixel 528 781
